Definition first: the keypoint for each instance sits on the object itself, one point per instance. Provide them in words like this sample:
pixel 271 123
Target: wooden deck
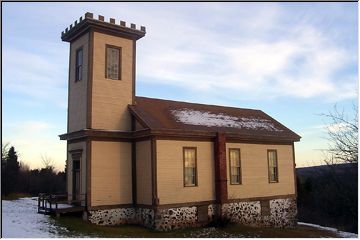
pixel 57 204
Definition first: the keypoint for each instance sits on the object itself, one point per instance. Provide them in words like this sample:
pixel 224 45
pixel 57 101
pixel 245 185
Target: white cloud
pixel 303 62
pixel 35 75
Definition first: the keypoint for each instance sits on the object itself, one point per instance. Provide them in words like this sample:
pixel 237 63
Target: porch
pixel 56 204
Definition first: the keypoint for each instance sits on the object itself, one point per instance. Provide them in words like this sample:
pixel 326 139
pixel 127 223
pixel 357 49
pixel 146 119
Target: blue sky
pixel 294 61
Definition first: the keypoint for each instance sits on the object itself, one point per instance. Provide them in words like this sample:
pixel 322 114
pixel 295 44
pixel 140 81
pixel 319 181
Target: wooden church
pixel 160 163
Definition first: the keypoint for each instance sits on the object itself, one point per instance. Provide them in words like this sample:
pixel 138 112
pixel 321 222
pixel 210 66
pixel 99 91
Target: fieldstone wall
pixel 112 216
pixel 145 217
pixel 175 218
pixel 248 213
pixel 142 216
pixel 278 213
pixel 283 213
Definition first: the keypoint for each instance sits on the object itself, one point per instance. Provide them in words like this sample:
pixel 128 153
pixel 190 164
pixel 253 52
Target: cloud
pixel 214 51
pixel 35 75
pixel 301 61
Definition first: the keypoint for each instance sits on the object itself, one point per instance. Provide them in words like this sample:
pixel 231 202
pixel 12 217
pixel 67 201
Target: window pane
pixel 190 167
pixel 189 157
pixel 113 64
pixel 189 176
pixel 273 170
pixel 235 171
pixel 79 62
pixel 79 59
pixel 272 155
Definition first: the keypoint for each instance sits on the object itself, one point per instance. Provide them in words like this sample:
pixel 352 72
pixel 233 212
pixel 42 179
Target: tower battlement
pixel 88 21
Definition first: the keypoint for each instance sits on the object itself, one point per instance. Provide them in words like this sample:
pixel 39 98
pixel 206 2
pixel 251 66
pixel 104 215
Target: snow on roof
pixel 204 118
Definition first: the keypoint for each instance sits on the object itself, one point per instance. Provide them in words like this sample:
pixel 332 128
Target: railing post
pixel 38 203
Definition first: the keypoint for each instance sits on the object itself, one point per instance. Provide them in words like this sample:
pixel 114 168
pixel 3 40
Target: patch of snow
pixel 63 205
pixel 195 117
pixel 340 233
pixel 20 219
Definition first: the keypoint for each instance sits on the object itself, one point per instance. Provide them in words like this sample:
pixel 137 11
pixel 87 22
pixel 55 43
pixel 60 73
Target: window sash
pixel 79 64
pixel 189 167
pixel 235 166
pixel 273 166
pixel 113 62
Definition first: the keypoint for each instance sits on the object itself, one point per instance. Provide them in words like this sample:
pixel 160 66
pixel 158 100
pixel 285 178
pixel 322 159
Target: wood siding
pixel 254 170
pixel 111 180
pixel 110 98
pixel 170 172
pixel 143 172
pixel 78 90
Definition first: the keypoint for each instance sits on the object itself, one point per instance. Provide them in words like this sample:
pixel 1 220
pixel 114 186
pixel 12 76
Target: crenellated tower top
pixel 85 22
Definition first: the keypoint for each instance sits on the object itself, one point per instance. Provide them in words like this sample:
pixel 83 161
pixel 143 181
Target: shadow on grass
pixel 79 228
pixel 15 196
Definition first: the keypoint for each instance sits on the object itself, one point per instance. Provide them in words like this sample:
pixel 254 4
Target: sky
pixel 294 61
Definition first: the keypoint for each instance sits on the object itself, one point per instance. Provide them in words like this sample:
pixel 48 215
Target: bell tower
pixel 101 73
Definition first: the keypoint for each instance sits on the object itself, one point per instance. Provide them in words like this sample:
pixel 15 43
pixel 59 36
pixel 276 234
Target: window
pixel 190 178
pixel 273 166
pixel 113 61
pixel 79 64
pixel 235 166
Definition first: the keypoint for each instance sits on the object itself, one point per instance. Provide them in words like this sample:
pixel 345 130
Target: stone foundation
pixel 175 218
pixel 112 216
pixel 270 213
pixel 116 216
pixel 281 213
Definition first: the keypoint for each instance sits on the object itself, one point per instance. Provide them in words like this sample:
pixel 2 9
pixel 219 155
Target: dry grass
pixel 15 196
pixel 77 227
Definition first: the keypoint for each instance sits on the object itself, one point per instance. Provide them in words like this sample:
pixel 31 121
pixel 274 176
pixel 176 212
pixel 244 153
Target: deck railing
pixel 47 203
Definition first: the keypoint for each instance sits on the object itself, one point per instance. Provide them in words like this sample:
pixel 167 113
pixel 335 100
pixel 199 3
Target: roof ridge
pixel 203 104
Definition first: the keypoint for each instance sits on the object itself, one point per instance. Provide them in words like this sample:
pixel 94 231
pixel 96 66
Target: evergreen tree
pixel 10 171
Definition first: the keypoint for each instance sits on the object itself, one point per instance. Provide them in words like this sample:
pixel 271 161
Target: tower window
pixel 79 64
pixel 113 62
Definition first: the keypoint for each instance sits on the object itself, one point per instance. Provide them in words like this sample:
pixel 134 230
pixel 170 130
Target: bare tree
pixel 47 161
pixel 24 167
pixel 342 133
pixel 4 150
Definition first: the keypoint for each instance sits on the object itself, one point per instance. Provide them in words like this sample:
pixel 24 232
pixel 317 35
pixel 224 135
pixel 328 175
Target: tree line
pixel 18 178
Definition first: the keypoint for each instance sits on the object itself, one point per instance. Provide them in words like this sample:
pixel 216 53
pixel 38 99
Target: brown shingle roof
pixel 158 114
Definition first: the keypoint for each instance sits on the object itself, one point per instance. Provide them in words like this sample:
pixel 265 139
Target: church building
pixel 160 163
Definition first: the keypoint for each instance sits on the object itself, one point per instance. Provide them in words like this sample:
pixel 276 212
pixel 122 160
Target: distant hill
pixel 328 196
pixel 315 170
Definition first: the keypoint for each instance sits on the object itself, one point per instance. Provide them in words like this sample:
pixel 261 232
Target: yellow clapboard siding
pixel 111 179
pixel 254 169
pixel 170 179
pixel 78 90
pixel 110 98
